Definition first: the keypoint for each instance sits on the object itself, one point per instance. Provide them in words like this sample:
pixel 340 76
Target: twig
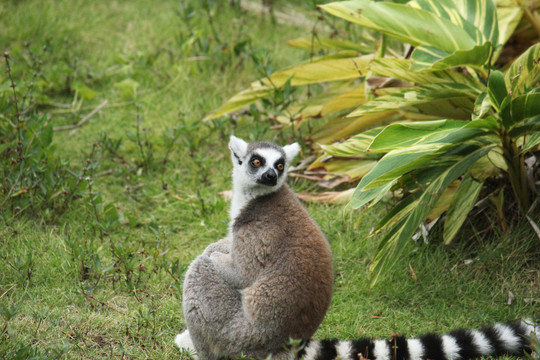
pixel 104 304
pixel 74 127
pixel 534 226
pixel 68 108
pixel 104 173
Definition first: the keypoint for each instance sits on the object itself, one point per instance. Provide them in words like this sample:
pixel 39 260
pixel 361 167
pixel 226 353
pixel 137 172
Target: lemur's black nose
pixel 269 178
pixel 270 174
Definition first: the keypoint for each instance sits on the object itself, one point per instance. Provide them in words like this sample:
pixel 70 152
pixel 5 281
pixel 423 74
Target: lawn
pixel 100 275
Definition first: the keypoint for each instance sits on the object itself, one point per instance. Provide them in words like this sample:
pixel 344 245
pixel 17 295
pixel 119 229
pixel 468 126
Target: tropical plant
pixel 453 122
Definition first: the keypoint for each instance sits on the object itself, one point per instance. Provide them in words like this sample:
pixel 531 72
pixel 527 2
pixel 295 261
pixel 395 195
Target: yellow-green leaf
pixel 347 100
pixel 524 72
pixel 307 73
pixel 462 202
pixel 321 71
pixel 394 242
pixel 241 100
pixel 343 127
pixel 415 26
pixel 402 69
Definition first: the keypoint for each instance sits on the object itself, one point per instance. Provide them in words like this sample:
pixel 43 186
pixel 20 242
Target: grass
pixel 102 278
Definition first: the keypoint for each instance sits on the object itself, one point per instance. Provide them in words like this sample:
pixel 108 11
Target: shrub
pixel 438 126
pixel 34 180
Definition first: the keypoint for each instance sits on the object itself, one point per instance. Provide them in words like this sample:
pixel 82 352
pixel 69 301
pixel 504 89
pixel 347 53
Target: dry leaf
pixel 177 197
pixel 227 194
pixel 510 298
pixel 412 274
pixel 330 197
pixel 534 226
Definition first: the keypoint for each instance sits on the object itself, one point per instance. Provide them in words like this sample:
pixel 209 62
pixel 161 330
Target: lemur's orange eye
pixel 256 163
pixel 280 167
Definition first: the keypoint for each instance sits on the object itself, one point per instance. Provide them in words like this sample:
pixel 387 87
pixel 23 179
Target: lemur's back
pixel 284 254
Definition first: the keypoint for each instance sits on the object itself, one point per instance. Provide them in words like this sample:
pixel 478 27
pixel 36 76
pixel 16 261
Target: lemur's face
pixel 261 163
pixel 265 166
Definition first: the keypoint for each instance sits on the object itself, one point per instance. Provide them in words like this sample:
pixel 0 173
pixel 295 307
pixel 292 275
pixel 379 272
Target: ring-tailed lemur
pixel 271 278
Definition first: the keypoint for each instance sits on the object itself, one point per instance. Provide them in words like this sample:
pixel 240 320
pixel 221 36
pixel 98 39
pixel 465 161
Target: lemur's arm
pixel 225 268
pixel 221 246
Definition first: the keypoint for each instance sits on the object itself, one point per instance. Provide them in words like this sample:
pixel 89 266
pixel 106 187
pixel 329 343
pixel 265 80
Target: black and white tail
pixel 500 339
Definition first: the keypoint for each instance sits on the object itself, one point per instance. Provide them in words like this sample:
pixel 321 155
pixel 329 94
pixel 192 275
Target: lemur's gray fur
pixel 271 278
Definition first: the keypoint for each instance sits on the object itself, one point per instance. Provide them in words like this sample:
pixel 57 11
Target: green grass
pixel 73 285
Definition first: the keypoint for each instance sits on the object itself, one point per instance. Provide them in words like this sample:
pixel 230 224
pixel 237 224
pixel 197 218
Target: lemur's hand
pixel 225 268
pixel 222 261
pixel 221 246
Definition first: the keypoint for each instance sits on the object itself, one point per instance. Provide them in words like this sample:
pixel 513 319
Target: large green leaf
pixel 308 73
pixel 405 135
pixel 429 57
pixel 463 16
pixel 400 161
pixel 408 134
pixel 340 128
pixel 335 99
pixel 402 69
pixel 482 106
pixel 462 203
pixel 445 33
pixel 508 19
pixel 396 239
pixel 448 93
pixel 524 73
pixel 526 128
pixel 357 145
pixel 421 147
pixel 348 99
pixel 482 14
pixel 458 108
pixel 398 212
pixel 321 71
pixel 477 17
pixel 496 89
pixel 532 142
pixel 415 26
pixel 410 184
pixel 362 197
pixel 525 107
pixel 338 170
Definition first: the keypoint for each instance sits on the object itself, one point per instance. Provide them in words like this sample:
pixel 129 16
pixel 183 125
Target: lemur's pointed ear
pixel 238 148
pixel 291 151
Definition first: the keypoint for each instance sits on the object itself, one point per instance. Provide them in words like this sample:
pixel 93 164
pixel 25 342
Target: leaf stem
pixel 517 173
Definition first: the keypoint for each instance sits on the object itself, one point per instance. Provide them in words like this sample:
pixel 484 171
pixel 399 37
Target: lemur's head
pixel 260 165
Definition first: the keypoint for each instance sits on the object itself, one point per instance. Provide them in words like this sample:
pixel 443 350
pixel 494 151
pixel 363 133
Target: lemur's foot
pixel 184 342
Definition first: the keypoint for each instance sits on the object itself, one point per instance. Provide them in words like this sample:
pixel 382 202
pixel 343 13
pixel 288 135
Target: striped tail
pixel 499 339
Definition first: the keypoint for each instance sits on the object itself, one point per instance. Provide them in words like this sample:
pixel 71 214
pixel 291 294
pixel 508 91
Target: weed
pixel 144 146
pixel 277 105
pixel 8 314
pixel 24 266
pixel 35 181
